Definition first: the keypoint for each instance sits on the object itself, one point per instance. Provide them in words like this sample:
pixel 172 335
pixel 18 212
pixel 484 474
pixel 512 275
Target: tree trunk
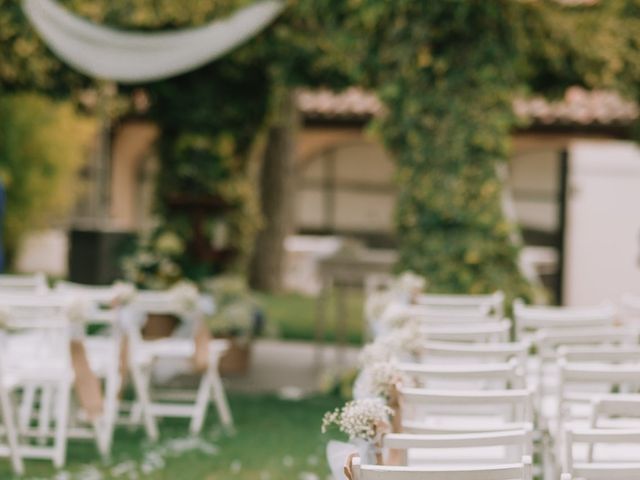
pixel 276 189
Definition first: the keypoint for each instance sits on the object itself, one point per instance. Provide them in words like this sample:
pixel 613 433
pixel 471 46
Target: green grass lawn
pixel 274 440
pixel 293 315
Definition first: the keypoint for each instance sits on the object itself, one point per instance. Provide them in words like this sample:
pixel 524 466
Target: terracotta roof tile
pixel 578 107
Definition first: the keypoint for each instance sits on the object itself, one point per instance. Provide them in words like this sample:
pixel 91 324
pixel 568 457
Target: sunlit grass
pixel 275 439
pixel 294 315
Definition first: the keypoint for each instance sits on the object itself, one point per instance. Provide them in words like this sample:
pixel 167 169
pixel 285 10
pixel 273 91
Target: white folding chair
pixel 615 411
pixel 102 310
pixel 144 354
pixel 9 386
pixel 461 448
pixel 550 341
pixel 493 303
pixel 448 352
pixel 516 471
pixel 37 356
pixel 529 319
pixel 621 454
pixel 430 411
pixel 23 283
pixel 580 383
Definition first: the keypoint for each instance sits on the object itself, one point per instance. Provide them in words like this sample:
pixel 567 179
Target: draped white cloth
pixel 137 57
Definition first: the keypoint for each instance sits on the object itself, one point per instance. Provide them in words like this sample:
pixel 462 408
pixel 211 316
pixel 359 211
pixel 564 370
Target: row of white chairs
pixel 45 349
pixel 563 340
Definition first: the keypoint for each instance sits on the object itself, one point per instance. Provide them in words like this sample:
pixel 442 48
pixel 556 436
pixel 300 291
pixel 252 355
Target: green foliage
pixel 446 72
pixel 156 262
pixel 42 146
pixel 208 120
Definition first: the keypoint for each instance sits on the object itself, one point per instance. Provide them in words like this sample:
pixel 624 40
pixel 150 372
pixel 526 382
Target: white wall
pixel 364 196
pixel 602 243
pixel 44 251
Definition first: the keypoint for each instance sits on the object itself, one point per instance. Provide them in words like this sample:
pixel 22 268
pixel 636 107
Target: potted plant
pixel 237 317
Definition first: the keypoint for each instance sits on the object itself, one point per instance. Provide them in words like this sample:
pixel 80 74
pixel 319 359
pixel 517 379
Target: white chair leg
pixel 99 432
pixel 201 404
pixel 110 414
pixel 6 413
pixel 140 384
pixel 61 424
pixel 220 397
pixel 44 417
pixel 27 405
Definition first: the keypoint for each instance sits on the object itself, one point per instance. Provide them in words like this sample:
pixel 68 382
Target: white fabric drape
pixel 137 57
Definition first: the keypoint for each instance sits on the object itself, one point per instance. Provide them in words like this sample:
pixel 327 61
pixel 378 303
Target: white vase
pixel 366 450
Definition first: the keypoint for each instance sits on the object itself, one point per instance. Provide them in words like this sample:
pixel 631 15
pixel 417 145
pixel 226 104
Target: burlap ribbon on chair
pixel 395 456
pixel 348 467
pixel 162 326
pixel 86 383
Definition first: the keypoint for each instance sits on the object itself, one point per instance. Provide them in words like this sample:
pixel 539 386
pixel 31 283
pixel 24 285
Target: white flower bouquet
pixel 185 294
pixel 410 284
pixel 379 380
pixel 399 343
pixel 366 419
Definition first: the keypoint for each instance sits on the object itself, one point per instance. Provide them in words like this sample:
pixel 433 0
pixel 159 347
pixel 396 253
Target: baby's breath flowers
pixel 366 419
pixel 410 283
pixel 379 380
pixel 401 342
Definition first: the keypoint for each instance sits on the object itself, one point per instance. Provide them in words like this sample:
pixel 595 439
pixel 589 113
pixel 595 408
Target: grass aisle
pixel 275 440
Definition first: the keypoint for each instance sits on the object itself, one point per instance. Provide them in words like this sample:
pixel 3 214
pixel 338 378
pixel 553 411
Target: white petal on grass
pixel 123 468
pixel 308 476
pixel 236 466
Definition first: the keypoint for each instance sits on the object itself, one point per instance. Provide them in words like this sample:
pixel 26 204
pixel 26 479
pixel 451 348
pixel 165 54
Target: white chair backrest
pixel 43 325
pixel 580 383
pixel 473 332
pixel 521 439
pixel 619 406
pixel 518 471
pixel 444 315
pixel 549 340
pixel 608 470
pixel 498 410
pixel 438 352
pixel 23 283
pixel 99 300
pixel 533 318
pixel 601 354
pixel 467 376
pixel 493 302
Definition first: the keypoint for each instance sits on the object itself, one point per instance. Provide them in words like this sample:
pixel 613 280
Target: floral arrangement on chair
pixel 410 284
pixel 395 344
pixel 364 421
pixel 379 380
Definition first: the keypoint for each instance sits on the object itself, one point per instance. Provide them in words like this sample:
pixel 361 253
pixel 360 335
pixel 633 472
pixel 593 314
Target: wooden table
pixel 340 273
